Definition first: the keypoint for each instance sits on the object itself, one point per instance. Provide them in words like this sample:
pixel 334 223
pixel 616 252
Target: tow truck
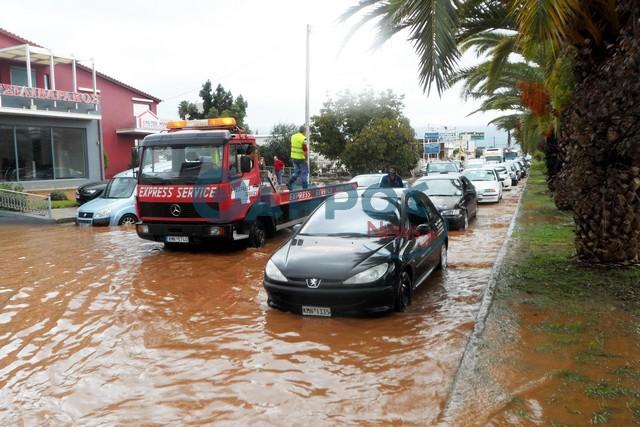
pixel 200 181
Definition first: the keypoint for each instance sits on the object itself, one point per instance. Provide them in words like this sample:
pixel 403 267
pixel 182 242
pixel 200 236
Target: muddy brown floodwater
pixel 98 326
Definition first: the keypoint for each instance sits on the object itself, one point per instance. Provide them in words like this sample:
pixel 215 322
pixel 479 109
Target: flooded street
pixel 99 326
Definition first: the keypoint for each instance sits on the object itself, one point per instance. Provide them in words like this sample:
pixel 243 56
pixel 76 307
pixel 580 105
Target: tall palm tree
pixel 596 120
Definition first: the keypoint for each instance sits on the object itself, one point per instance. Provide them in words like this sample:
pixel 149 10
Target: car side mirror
pixel 245 164
pixel 423 229
pixel 296 228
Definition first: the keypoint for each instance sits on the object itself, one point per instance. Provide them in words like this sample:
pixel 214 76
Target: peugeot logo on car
pixel 313 283
pixel 175 210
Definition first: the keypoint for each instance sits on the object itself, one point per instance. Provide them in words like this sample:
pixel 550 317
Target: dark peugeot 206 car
pixel 358 252
pixel 453 195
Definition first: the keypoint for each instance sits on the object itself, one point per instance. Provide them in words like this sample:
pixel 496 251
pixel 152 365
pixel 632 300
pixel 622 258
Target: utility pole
pixel 306 105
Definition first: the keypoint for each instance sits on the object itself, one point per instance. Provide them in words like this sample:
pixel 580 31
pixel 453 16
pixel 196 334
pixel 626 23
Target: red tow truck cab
pixel 201 181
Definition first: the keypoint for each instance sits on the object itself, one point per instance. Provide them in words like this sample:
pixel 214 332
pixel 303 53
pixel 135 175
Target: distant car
pixel 368 256
pixel 454 197
pixel 513 172
pixel 115 206
pixel 441 167
pixel 503 175
pixel 517 167
pixel 372 180
pixel 474 164
pixel 90 191
pixel 486 182
pixel 521 168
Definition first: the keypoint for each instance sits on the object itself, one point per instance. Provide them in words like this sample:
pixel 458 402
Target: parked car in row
pixel 90 191
pixel 503 175
pixel 486 182
pixel 115 206
pixel 438 166
pixel 474 164
pixel 362 255
pixel 372 180
pixel 453 195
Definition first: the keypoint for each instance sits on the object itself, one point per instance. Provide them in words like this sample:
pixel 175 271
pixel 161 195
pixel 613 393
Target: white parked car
pixel 487 183
pixel 474 164
pixel 372 180
pixel 503 175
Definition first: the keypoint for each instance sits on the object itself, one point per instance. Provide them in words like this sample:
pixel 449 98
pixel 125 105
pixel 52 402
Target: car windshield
pixel 439 187
pixel 368 217
pixel 441 167
pixel 184 164
pixel 480 175
pixel 119 188
pixel 367 180
pixel 493 158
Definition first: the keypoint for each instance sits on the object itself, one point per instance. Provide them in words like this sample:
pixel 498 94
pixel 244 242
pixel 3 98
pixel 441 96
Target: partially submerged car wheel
pixel 465 221
pixel 443 257
pixel 403 292
pixel 128 219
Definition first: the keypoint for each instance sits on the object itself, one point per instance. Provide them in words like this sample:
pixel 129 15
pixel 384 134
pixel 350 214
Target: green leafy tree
pixel 366 132
pixel 279 143
pixel 207 96
pixel 188 110
pixel 218 103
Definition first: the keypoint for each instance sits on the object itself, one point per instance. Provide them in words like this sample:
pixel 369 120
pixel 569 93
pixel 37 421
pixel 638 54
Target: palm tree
pixel 590 57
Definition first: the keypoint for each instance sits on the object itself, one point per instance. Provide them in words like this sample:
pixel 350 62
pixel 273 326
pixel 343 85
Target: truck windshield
pixel 184 164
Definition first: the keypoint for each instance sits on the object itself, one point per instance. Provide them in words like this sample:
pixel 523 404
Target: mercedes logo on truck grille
pixel 175 210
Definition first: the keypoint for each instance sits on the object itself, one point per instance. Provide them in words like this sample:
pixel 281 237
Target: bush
pixel 58 195
pixel 12 187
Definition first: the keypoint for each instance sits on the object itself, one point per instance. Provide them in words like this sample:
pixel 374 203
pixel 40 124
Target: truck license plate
pixel 177 239
pixel 316 311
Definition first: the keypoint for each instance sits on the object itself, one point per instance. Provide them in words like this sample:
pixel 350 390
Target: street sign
pixel 432 148
pixel 431 136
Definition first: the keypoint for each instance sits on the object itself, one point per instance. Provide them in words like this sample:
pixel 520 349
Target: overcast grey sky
pixel 253 47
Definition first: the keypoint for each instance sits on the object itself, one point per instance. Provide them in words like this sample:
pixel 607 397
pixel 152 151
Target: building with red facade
pixel 61 120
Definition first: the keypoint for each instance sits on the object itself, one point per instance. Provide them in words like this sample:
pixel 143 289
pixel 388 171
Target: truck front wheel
pixel 257 234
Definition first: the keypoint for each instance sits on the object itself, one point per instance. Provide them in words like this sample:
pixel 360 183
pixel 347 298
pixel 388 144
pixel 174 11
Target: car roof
pixel 369 174
pixel 380 193
pixel 450 175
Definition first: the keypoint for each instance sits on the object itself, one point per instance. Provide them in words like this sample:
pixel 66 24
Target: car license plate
pixel 84 223
pixel 177 239
pixel 316 311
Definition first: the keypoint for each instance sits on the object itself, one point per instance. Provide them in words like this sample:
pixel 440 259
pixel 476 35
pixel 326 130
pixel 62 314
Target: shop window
pixel 69 153
pixel 7 154
pixel 18 76
pixel 35 159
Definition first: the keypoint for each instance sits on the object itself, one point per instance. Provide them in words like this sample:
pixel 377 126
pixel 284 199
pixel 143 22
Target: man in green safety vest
pixel 299 152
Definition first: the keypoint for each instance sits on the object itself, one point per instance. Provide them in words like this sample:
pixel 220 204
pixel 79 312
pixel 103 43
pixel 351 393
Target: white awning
pixel 37 55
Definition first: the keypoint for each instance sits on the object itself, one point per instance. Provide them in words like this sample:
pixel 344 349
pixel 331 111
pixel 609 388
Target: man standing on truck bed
pixel 299 158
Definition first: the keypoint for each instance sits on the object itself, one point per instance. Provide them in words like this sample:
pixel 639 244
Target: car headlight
pixel 452 212
pixel 370 275
pixel 272 272
pixel 103 212
pixel 91 191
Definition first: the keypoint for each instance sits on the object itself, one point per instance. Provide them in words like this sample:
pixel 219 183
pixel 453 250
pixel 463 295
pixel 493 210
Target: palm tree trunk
pixel 601 153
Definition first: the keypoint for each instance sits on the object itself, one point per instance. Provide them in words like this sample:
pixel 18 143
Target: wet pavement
pixel 98 326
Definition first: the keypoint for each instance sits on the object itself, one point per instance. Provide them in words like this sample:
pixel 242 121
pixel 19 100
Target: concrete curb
pixel 467 361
